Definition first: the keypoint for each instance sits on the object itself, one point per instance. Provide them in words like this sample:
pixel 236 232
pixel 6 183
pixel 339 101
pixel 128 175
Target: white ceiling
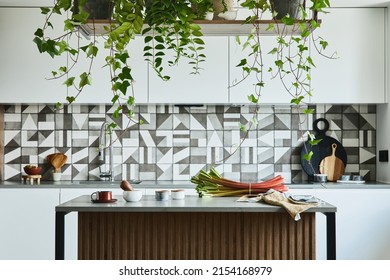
pixel 334 3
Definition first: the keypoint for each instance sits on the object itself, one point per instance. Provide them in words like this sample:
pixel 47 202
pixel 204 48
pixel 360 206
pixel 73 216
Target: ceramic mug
pixel 101 196
pixel 162 195
pixel 357 178
pixel 345 177
pixel 321 178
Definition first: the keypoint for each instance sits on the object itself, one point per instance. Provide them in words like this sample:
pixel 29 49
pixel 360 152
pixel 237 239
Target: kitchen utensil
pixel 126 186
pixel 57 160
pixel 332 165
pixel 321 150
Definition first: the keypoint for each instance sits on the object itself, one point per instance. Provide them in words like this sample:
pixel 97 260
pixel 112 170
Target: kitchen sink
pixel 108 182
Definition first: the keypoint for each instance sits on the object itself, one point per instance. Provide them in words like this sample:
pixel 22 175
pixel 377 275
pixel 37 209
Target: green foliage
pixel 172 36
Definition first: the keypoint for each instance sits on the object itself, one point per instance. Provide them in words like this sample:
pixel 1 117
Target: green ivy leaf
pixel 45 10
pixel 308 111
pixel 131 100
pixel 323 44
pixel 314 142
pixel 70 99
pixel 242 63
pixel 253 99
pixel 39 32
pixel 297 100
pixel 69 82
pixel 287 20
pixel 125 74
pixel 308 156
pixel 243 128
pixel 85 79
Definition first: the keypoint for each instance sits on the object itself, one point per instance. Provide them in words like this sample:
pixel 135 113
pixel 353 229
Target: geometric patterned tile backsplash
pixel 174 143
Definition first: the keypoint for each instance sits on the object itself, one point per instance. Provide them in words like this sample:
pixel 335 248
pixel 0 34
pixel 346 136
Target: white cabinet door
pixel 209 87
pixel 362 229
pixel 100 89
pixel 24 70
pixel 27 219
pixel 358 75
pixel 273 91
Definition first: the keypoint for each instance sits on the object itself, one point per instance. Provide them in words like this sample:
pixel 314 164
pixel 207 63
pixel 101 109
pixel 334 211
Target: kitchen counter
pixel 189 204
pixel 181 184
pixel 193 228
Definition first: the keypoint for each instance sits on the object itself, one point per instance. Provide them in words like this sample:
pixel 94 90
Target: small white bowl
pixel 132 196
pixel 178 194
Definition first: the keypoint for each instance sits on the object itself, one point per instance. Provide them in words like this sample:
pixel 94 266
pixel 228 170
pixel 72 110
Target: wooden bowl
pixel 32 170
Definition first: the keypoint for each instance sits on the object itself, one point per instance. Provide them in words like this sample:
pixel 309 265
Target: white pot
pixel 57 176
pixel 209 16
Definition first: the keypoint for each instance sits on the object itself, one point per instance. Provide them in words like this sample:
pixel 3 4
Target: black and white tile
pixel 175 142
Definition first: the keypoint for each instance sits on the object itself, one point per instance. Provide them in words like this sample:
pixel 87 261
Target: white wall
pixel 383 118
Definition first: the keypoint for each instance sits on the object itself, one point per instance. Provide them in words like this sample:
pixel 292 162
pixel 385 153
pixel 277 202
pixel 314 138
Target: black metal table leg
pixel 330 236
pixel 60 236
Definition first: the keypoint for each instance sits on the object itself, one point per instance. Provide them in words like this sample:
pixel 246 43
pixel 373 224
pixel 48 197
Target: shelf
pixel 215 27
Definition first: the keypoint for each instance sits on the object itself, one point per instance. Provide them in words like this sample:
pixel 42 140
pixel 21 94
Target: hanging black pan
pixel 321 150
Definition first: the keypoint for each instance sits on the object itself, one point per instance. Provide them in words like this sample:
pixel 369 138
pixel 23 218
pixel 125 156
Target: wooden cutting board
pixel 332 166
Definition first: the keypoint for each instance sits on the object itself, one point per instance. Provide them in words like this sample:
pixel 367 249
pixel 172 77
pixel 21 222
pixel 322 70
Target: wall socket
pixel 384 156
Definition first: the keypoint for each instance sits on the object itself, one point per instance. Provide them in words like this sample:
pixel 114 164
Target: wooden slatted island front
pixel 194 228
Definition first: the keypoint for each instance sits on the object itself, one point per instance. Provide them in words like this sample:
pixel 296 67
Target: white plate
pixel 351 182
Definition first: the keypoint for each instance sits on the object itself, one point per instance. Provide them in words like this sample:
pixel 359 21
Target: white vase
pixel 57 176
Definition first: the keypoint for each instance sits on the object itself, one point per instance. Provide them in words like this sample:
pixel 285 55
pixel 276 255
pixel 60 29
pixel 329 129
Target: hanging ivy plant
pixel 169 26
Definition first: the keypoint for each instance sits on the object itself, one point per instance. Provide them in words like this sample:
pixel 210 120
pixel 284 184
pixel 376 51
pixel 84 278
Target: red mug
pixel 101 196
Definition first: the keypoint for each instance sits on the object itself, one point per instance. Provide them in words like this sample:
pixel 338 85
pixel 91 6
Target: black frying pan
pixel 321 150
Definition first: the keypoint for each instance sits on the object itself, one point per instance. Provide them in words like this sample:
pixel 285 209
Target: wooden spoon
pixel 332 165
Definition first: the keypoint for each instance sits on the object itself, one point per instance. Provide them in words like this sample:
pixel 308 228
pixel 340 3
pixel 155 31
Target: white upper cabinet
pixel 23 69
pixel 358 75
pixel 100 89
pixel 273 91
pixel 210 86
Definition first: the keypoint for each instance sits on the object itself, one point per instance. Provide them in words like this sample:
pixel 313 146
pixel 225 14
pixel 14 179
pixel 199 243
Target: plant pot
pixel 97 9
pixel 284 7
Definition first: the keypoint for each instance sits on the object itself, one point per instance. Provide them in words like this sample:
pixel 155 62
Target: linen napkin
pixel 292 206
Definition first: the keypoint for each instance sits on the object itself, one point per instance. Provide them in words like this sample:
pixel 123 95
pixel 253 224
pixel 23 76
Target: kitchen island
pixel 194 228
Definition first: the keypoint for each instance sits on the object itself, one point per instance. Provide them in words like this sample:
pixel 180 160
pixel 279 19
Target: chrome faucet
pixel 104 130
